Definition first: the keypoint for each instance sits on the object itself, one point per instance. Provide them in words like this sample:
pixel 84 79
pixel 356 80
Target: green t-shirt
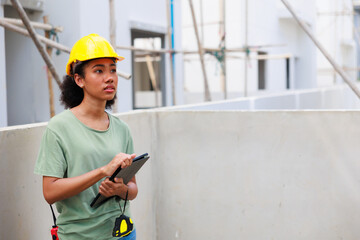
pixel 69 148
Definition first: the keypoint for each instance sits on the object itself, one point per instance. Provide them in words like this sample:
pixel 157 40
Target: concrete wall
pixel 23 212
pixel 215 175
pixel 258 175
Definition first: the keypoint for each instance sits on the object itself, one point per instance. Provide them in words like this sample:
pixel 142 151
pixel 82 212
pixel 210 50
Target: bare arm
pixel 56 189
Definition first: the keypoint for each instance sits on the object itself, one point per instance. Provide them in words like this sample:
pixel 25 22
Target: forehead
pixel 102 61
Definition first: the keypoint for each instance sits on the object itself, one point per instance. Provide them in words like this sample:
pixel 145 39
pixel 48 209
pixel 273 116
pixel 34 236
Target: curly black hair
pixel 71 94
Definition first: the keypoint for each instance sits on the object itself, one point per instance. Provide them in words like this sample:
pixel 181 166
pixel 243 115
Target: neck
pixel 92 109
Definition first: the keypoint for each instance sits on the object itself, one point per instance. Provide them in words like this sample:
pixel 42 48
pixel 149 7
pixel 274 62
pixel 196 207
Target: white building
pixel 336 30
pixel 293 60
pixel 266 27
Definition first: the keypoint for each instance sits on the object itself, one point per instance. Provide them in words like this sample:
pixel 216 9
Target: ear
pixel 79 80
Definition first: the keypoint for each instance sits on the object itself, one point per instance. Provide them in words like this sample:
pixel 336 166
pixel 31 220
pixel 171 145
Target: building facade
pixel 268 51
pixel 24 94
pixel 251 48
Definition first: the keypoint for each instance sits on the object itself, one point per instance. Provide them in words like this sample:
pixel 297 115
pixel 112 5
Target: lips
pixel 109 89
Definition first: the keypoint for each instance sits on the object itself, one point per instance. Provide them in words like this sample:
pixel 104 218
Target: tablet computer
pixel 126 174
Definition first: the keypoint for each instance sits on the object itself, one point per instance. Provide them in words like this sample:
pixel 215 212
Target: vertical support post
pixel 356 36
pixel 112 23
pixel 201 53
pixel 322 49
pixel 202 22
pixel 287 63
pixel 3 97
pixel 170 43
pixel 49 76
pixel 246 60
pixel 222 32
pixel 37 43
pixel 152 75
pixel 335 45
pixel 112 30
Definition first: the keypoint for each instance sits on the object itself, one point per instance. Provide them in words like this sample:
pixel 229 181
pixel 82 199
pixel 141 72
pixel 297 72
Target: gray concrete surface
pixel 215 175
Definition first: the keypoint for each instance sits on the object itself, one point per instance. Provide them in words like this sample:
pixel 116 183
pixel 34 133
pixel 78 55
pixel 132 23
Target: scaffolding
pixel 220 53
pixel 248 49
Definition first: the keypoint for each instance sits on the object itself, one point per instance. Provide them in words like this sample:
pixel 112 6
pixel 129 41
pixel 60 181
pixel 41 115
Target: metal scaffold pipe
pixel 24 32
pixel 48 42
pixel 201 52
pixel 170 42
pixel 113 38
pixel 246 62
pixel 43 26
pixel 222 32
pixel 322 49
pixel 34 37
pixel 49 76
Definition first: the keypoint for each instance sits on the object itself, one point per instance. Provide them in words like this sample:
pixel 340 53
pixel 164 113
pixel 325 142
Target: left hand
pixel 109 188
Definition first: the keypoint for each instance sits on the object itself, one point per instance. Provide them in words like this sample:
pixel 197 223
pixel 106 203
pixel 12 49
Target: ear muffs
pixel 123 226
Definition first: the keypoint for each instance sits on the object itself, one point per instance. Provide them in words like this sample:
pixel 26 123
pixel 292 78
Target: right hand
pixel 109 188
pixel 121 159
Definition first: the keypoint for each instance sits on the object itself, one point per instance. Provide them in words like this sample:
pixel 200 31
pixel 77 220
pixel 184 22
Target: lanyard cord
pixel 52 210
pixel 123 210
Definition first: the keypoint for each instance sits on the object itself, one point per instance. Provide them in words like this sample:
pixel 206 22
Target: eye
pixel 98 71
pixel 113 70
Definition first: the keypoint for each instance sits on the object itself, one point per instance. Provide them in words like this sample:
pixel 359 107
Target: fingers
pixel 119 180
pixel 108 188
pixel 127 160
pixel 121 159
pixel 104 191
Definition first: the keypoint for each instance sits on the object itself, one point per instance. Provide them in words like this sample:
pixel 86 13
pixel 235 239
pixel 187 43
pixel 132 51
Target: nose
pixel 109 78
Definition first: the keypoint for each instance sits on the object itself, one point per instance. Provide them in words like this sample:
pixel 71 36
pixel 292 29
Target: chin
pixel 110 97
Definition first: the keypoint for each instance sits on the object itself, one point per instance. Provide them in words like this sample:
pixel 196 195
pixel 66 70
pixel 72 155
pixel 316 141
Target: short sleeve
pixel 51 160
pixel 130 144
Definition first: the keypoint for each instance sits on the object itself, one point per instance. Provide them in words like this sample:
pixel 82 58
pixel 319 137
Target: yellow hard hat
pixel 91 47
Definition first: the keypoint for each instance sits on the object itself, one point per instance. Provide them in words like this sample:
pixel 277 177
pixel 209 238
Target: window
pixel 148 70
pixel 261 72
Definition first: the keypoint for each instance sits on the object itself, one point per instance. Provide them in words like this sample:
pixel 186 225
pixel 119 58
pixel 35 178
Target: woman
pixel 84 144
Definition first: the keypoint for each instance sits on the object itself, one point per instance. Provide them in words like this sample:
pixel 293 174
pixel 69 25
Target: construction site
pixel 248 110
